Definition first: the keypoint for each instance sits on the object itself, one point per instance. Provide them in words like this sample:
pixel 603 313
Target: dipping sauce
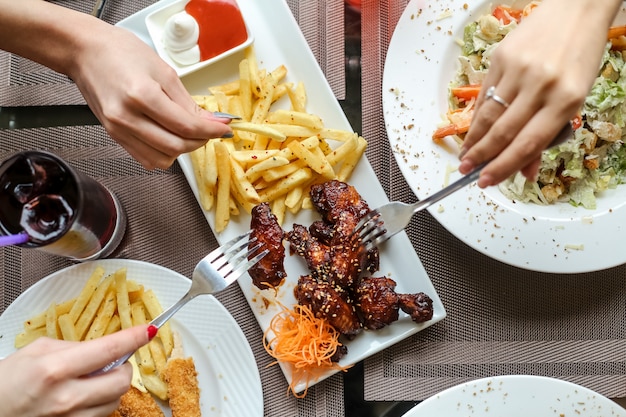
pixel 221 26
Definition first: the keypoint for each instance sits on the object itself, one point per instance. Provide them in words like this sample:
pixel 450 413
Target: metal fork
pixel 382 223
pixel 212 274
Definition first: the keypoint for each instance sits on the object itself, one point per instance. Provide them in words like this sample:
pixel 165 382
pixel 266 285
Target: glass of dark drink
pixel 63 211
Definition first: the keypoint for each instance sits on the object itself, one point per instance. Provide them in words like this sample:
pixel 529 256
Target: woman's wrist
pixel 46 33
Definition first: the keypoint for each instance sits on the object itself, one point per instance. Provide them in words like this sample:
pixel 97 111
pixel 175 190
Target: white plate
pixel 284 44
pixel 228 376
pixel 420 63
pixel 155 22
pixel 517 396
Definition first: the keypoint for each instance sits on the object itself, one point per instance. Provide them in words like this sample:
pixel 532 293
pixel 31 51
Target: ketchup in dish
pixel 221 26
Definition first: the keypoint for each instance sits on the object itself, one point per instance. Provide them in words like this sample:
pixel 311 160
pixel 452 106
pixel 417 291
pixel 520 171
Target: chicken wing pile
pixel 338 287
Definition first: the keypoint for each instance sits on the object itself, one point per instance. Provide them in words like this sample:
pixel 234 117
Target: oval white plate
pixel 228 376
pixel 420 63
pixel 517 396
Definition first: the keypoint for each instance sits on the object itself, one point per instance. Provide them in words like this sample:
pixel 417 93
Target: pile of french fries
pixel 105 305
pixel 276 154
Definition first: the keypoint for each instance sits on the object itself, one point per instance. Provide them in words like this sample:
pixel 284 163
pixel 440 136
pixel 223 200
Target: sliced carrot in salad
pixel 466 92
pixel 616 32
pixel 507 14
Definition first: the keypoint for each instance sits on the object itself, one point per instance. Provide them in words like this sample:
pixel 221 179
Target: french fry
pixel 294 197
pixel 222 211
pixel 245 89
pixel 337 134
pixel 350 163
pixel 277 173
pixel 252 156
pixel 256 171
pixel 103 316
pixel 145 362
pixel 207 193
pixel 88 314
pixel 114 325
pixel 51 322
pixel 279 208
pixel 86 293
pixel 255 80
pixel 298 97
pixel 68 330
pixel 285 185
pixel 240 181
pixel 281 151
pixel 291 130
pixel 228 88
pixel 343 151
pixel 27 337
pixel 39 320
pixel 261 129
pixel 153 306
pixel 154 384
pixel 317 161
pixel 100 315
pixel 210 167
pixel 298 118
pixel 123 301
pixel 157 351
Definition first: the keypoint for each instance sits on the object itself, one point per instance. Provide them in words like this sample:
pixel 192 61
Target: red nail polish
pixel 152 331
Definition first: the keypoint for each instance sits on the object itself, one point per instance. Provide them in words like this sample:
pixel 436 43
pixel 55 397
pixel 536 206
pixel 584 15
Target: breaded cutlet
pixel 139 404
pixel 182 387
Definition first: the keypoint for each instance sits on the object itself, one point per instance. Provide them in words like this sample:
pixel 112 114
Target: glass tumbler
pixel 63 211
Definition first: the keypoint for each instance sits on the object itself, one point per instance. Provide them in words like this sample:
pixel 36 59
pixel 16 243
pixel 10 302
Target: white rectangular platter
pixel 278 40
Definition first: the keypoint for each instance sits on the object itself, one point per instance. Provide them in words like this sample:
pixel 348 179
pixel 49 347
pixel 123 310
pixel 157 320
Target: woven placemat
pixel 179 236
pixel 165 227
pixel 26 83
pixel 501 319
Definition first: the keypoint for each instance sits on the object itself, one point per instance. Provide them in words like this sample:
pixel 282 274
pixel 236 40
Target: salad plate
pixel 421 62
pixel 228 377
pixel 517 396
pixel 284 44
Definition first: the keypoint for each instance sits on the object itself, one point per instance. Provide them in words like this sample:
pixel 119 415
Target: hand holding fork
pixel 380 224
pixel 212 274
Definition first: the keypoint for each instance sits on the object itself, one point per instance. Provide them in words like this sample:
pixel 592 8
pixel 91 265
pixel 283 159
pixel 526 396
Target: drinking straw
pixel 14 239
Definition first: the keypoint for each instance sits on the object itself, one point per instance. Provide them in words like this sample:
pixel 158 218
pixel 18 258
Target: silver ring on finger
pixel 491 94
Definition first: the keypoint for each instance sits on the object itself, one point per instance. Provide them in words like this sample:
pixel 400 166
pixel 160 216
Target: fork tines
pixel 229 258
pixel 370 229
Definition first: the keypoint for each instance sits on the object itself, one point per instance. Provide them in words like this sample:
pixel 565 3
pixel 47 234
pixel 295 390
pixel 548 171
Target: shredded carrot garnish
pixel 304 342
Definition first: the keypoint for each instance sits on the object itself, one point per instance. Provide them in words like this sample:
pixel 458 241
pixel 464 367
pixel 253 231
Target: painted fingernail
pixel 228 135
pixel 152 331
pixel 225 115
pixel 485 181
pixel 466 166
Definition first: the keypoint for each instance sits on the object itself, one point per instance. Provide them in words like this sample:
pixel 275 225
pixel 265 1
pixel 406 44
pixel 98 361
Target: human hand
pixel 544 69
pixel 49 377
pixel 139 99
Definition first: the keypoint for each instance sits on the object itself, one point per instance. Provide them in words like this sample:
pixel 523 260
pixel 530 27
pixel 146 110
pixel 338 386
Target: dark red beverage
pixel 62 210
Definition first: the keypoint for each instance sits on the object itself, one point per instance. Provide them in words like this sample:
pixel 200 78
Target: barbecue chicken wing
pixel 332 253
pixel 337 265
pixel 419 306
pixel 328 302
pixel 269 272
pixel 377 302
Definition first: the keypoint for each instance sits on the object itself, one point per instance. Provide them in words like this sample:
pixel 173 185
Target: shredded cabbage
pixel 594 160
